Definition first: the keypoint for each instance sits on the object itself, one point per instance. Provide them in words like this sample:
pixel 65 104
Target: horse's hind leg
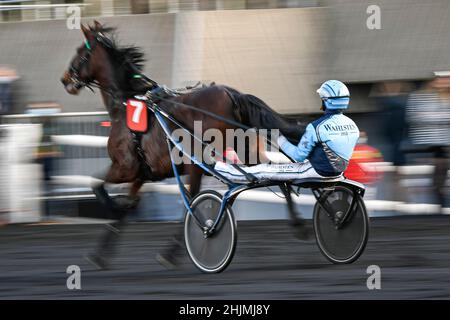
pixel 169 256
pixel 301 231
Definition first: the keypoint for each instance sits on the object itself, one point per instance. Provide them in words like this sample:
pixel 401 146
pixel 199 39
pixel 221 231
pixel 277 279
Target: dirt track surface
pixel 412 252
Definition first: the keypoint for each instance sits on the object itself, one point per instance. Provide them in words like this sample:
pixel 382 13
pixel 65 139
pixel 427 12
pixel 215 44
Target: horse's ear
pixel 85 31
pixel 98 25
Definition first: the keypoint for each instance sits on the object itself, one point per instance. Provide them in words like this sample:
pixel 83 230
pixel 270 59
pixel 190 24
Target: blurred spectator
pixel 428 116
pixel 392 97
pixel 7 77
pixel 47 150
pixel 4 210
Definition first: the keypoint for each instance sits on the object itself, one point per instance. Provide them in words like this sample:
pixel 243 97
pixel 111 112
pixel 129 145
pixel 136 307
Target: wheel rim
pixel 210 254
pixel 345 243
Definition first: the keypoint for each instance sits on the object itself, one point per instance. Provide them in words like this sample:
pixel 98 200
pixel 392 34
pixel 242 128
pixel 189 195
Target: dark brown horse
pixel 116 71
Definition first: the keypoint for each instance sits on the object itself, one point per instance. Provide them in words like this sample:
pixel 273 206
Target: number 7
pixel 137 112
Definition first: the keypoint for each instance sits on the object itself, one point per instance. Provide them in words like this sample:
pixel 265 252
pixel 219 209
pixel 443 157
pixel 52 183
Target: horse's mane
pixel 127 61
pixel 132 54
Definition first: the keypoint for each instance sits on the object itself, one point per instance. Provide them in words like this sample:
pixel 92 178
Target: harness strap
pixel 144 167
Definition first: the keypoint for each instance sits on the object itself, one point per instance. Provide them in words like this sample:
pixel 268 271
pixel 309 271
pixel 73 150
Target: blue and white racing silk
pixel 328 143
pixel 265 171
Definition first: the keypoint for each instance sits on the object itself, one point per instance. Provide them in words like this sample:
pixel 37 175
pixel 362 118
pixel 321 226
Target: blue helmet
pixel 334 94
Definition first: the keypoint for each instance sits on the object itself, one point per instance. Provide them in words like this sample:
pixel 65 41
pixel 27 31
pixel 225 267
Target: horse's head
pixel 100 60
pixel 85 66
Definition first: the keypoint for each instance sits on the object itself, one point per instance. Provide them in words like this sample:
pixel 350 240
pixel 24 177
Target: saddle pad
pixel 137 119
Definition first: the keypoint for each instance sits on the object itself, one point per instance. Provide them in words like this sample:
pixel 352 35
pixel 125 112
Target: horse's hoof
pixel 125 202
pixel 168 261
pixel 97 261
pixel 301 230
pixel 303 233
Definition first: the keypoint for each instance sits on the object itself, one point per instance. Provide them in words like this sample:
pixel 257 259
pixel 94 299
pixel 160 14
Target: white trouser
pixel 281 172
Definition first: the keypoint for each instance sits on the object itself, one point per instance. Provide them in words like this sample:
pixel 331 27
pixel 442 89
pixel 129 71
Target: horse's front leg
pixel 120 203
pixel 131 200
pixel 118 209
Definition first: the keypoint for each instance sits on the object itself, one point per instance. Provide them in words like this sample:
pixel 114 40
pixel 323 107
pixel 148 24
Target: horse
pixel 117 72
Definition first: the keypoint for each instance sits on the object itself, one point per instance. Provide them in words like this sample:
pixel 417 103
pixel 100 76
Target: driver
pixel 324 149
pixel 329 141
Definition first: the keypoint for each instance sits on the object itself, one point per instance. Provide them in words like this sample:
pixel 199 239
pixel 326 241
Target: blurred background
pixel 279 50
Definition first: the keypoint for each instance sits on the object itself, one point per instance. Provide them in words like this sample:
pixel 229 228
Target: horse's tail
pixel 255 113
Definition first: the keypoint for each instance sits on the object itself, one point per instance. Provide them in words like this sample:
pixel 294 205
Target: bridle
pixel 74 73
